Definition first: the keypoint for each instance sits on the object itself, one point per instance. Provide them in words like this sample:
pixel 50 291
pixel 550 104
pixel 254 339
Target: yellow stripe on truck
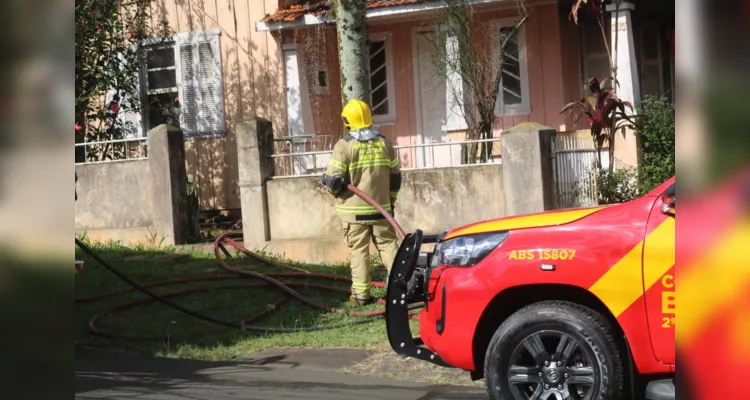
pixel 622 284
pixel 619 287
pixel 529 221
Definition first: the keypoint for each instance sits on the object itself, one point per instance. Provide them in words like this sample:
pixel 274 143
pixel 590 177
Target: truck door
pixel 658 276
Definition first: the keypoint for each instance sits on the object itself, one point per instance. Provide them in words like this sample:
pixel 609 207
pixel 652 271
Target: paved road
pixel 119 376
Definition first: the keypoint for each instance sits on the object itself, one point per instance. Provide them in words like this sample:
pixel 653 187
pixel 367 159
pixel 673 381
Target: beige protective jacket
pixel 373 167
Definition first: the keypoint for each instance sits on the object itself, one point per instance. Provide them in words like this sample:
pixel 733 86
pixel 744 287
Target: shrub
pixel 655 130
pixel 616 186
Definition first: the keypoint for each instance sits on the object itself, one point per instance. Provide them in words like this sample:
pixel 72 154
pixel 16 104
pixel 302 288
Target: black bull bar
pixel 397 301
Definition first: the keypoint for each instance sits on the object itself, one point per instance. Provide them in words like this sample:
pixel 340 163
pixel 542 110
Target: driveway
pixel 291 375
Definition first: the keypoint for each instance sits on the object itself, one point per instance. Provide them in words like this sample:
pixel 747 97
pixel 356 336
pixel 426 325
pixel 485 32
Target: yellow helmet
pixel 356 115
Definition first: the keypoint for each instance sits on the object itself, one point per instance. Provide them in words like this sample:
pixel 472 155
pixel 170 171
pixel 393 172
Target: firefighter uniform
pixel 368 161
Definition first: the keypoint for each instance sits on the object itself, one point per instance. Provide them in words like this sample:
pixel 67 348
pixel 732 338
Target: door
pixel 298 116
pixel 659 274
pixel 431 107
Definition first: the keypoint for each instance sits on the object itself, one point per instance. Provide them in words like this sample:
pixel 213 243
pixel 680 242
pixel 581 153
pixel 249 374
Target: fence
pixel 313 159
pixel 133 201
pixel 111 150
pixel 574 160
pixel 302 152
pixel 433 199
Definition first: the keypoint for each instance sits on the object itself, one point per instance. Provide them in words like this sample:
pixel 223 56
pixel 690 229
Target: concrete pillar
pixel 166 155
pixel 628 80
pixel 254 148
pixel 527 168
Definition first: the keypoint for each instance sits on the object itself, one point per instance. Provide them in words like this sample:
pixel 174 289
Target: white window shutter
pixel 200 86
pixel 186 87
pixel 129 116
pixel 454 87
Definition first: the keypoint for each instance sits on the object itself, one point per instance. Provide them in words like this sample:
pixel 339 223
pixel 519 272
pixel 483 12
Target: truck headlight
pixel 467 251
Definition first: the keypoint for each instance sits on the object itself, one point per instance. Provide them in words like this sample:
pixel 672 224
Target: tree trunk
pixel 351 29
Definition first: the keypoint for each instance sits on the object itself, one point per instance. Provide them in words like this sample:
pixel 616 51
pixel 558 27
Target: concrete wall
pixel 114 200
pixel 133 200
pixel 304 225
pixel 294 216
pixel 430 199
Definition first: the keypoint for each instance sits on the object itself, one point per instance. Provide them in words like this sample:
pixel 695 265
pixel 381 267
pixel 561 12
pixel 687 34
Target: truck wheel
pixel 554 350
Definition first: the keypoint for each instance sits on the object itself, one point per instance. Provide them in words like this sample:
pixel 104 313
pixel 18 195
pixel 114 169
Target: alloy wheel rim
pixel 551 365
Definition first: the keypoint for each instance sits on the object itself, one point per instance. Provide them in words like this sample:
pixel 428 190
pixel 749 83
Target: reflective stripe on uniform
pixel 360 285
pixel 360 209
pixel 380 162
pixel 338 164
pixel 394 163
pixel 394 195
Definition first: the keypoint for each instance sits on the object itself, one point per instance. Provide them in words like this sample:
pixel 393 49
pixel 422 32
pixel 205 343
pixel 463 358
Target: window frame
pixel 163 42
pixel 386 37
pixel 174 41
pixel 523 108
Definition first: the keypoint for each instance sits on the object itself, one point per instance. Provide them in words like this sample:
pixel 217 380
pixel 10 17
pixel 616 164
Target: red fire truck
pixel 565 304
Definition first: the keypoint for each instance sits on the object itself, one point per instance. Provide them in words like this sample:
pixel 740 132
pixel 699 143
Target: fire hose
pixel 266 280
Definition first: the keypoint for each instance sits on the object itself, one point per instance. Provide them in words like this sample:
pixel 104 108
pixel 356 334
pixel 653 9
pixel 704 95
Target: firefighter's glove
pixel 334 184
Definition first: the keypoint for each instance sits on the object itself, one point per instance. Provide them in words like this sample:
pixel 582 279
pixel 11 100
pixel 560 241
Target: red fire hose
pixel 266 280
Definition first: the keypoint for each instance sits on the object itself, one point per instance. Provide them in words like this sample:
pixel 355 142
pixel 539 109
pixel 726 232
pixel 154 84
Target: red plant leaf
pixel 593 85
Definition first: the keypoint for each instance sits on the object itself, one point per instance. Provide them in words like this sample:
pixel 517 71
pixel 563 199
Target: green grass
pixel 150 264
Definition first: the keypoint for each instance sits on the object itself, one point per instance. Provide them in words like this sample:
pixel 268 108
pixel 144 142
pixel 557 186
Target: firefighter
pixel 368 161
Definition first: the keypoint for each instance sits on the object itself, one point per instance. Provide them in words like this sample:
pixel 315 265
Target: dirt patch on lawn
pixel 387 364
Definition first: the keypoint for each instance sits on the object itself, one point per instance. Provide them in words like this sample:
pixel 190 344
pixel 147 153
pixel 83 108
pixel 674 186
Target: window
pixel 595 61
pixel 181 82
pixel 513 94
pixel 381 78
pixel 162 93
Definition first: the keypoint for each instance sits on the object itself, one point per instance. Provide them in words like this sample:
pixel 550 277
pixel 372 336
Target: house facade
pixel 235 59
pixel 545 66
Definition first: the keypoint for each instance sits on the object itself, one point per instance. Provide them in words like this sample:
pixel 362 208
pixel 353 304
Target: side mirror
pixel 668 200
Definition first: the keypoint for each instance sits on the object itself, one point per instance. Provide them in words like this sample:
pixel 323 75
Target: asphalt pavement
pixel 293 374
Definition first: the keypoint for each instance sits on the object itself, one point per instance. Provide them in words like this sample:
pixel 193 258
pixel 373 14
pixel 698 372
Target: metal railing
pixel 413 156
pixel 449 154
pixel 300 150
pixel 111 150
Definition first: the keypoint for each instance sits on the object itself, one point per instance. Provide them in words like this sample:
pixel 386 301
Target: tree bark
pixel 352 33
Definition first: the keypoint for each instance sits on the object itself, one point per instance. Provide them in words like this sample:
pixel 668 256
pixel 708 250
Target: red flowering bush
pixel 107 63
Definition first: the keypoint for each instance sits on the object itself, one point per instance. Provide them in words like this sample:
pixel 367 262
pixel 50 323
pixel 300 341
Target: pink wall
pixel 544 67
pixel 550 80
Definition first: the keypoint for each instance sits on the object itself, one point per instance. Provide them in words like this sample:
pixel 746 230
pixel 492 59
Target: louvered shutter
pixel 129 116
pixel 200 85
pixel 454 87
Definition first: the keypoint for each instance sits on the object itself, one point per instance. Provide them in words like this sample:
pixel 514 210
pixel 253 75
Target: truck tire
pixel 554 350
